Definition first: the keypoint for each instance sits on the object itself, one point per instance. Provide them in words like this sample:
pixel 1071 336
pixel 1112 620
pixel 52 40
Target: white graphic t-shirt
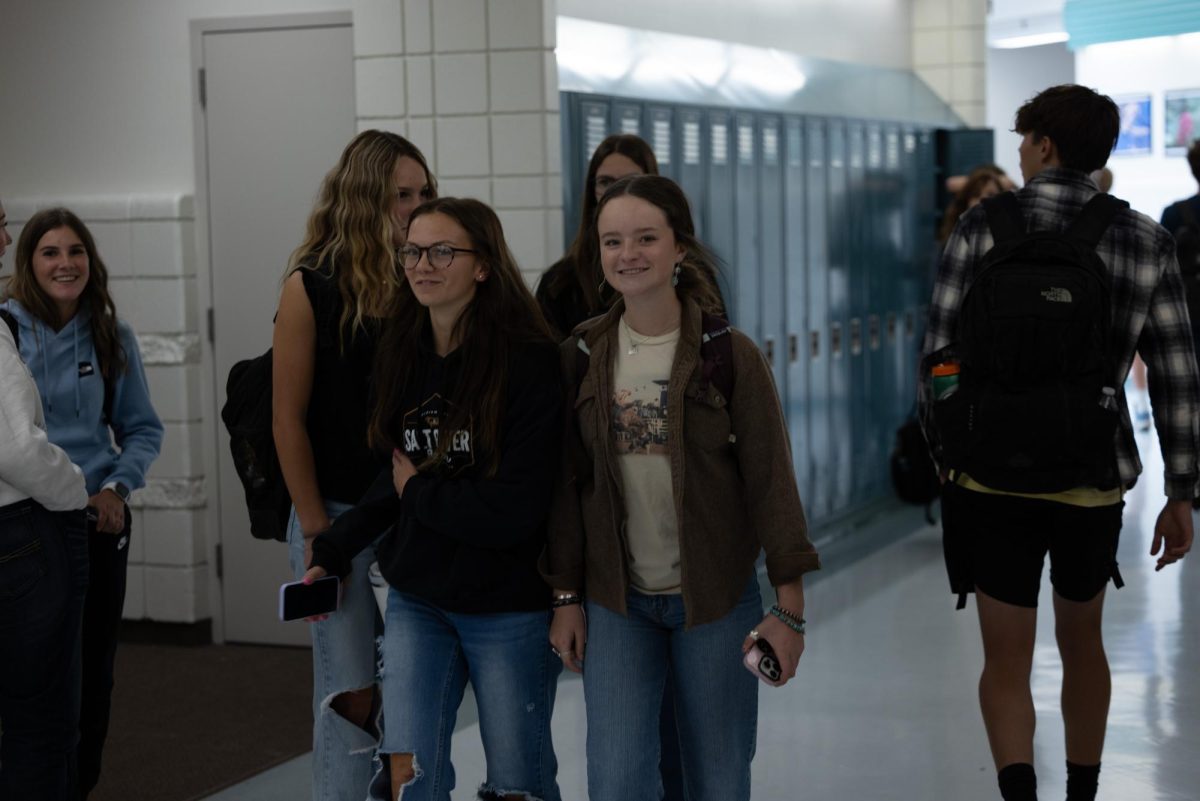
pixel 639 429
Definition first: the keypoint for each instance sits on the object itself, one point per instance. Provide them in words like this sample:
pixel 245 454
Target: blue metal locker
pixel 659 133
pixel 747 260
pixel 796 404
pixel 820 323
pixel 880 263
pixel 692 158
pixel 858 227
pixel 718 200
pixel 627 118
pixel 771 258
pixel 842 334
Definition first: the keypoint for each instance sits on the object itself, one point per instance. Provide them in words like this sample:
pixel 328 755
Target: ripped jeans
pixel 428 657
pixel 343 660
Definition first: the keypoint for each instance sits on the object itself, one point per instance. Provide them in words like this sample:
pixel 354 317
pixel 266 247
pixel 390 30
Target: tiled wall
pixel 148 245
pixel 474 84
pixel 949 53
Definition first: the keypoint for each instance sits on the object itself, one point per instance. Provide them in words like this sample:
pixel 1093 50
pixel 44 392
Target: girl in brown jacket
pixel 669 491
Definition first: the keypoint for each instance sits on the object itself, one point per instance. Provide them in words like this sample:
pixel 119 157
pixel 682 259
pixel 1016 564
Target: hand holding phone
pixel 762 661
pixel 299 600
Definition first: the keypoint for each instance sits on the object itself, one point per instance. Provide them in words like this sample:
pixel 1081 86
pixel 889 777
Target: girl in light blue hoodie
pixel 97 408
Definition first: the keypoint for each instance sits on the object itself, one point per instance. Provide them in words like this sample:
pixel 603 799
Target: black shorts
pixel 998 543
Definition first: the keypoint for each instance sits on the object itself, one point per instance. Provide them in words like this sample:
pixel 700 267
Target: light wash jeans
pixel 628 660
pixel 428 657
pixel 343 660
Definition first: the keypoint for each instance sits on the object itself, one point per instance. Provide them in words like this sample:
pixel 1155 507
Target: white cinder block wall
pixel 949 53
pixel 474 84
pixel 148 244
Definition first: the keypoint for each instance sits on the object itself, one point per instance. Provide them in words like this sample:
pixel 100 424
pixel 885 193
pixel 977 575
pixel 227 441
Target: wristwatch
pixel 118 489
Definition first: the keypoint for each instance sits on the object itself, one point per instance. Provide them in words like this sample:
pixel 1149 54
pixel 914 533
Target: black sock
pixel 1018 782
pixel 1082 781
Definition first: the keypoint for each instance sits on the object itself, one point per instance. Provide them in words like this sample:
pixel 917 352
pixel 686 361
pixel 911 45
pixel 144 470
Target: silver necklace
pixel 635 342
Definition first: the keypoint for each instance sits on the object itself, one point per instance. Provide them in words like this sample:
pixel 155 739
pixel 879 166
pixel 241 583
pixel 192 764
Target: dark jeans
pixel 43 579
pixel 109 555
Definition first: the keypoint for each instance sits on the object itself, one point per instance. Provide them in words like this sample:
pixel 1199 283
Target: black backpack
pixel 247 416
pixel 914 476
pixel 1187 249
pixel 1035 409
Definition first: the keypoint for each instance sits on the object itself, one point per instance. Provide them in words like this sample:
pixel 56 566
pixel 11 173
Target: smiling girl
pixel 89 372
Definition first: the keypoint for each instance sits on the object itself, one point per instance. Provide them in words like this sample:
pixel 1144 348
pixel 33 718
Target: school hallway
pixel 884 705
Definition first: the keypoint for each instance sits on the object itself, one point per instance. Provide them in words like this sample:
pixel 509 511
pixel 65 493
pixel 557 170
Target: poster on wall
pixel 1181 113
pixel 1134 138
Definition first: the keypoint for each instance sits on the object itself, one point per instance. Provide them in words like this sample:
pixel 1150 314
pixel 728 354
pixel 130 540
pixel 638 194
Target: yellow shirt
pixel 1076 496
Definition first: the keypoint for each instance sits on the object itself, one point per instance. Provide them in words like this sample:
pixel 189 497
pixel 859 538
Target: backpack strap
pixel 1094 218
pixel 716 354
pixel 8 318
pixel 1188 214
pixel 1004 217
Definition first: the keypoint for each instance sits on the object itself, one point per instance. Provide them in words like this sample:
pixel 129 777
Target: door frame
pixel 204 274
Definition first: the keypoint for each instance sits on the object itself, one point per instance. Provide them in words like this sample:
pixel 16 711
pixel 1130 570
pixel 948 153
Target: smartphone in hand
pixel 298 600
pixel 762 662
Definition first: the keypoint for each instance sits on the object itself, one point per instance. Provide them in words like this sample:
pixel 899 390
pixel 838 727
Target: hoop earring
pixel 675 277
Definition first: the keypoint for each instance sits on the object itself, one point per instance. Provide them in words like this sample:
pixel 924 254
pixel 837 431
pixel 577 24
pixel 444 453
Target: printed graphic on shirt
pixel 423 433
pixel 85 369
pixel 639 418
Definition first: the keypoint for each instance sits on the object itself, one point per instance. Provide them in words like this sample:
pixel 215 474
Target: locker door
pixel 879 264
pixel 691 165
pixel 718 201
pixel 841 344
pixel 771 260
pixel 580 142
pixel 747 266
pixel 661 126
pixel 796 403
pixel 819 347
pixel 857 225
pixel 626 118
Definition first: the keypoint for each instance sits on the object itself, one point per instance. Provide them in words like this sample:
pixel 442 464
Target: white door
pixel 279 109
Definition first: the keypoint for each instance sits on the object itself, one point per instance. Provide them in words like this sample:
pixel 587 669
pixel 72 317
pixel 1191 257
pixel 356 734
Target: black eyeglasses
pixel 439 256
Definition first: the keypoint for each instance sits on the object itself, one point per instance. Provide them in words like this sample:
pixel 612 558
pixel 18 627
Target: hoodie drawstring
pixel 75 335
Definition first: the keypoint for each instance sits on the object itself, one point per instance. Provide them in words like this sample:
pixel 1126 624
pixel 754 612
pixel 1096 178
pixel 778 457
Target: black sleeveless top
pixel 339 409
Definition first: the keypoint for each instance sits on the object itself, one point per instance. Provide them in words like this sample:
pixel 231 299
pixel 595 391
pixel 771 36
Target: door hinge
pixel 212 332
pixel 220 562
pixel 203 89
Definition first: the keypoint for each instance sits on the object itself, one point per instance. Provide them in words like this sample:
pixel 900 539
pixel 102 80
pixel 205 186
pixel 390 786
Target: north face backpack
pixel 1187 249
pixel 1035 409
pixel 247 416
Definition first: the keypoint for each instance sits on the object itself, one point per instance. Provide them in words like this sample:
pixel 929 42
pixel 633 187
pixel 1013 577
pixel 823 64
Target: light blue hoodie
pixel 67 372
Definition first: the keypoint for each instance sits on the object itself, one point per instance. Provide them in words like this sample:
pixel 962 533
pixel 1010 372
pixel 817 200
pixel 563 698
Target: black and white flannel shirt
pixel 1149 317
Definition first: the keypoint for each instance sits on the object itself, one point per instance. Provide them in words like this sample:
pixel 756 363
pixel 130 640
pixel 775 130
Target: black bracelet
pixel 794 623
pixel 565 600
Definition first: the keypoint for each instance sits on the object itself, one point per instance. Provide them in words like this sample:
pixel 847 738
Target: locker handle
pixel 873 332
pixel 835 340
pixel 793 348
pixel 814 344
pixel 769 348
pixel 855 336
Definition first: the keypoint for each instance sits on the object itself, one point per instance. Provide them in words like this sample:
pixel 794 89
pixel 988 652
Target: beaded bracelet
pixel 790 620
pixel 565 600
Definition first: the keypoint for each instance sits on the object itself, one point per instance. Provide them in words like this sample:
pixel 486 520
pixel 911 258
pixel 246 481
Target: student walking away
pixel 1182 219
pixel 1040 302
pixel 341 285
pixel 43 579
pixel 468 403
pixel 89 373
pixel 676 474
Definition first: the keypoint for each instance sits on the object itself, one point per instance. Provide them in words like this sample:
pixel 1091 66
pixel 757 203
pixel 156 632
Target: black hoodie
pixel 459 539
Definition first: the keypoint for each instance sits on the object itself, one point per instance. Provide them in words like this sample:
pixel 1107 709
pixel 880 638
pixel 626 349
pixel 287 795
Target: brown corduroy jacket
pixel 731 468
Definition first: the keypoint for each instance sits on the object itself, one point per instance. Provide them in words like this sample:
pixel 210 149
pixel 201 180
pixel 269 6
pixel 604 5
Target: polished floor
pixel 884 707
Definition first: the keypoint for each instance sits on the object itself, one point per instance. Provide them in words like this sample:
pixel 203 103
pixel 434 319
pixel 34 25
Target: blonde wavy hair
pixel 350 229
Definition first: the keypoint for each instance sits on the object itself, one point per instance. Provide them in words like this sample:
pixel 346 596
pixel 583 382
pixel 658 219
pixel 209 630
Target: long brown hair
pixel 698 270
pixel 581 263
pixel 502 312
pixel 350 228
pixel 23 288
pixel 977 183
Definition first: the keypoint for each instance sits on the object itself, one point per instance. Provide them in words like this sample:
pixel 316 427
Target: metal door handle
pixel 793 348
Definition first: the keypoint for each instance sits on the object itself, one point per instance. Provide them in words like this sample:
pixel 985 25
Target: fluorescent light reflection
pixel 1030 40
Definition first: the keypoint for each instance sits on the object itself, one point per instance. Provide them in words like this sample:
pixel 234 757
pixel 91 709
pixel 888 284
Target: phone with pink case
pixel 762 662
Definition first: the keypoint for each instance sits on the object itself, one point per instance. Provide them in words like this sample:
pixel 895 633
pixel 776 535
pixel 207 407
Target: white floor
pixel 884 706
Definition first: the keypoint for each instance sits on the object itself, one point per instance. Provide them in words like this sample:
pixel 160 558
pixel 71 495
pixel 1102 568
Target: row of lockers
pixel 824 229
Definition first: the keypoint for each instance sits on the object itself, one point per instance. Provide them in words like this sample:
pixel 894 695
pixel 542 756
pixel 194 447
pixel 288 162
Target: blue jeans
pixel 628 661
pixel 43 581
pixel 343 660
pixel 428 657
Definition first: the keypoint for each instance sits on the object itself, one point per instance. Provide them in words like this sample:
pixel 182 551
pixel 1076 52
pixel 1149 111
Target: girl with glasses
pixel 341 283
pixel 469 403
pixel 668 493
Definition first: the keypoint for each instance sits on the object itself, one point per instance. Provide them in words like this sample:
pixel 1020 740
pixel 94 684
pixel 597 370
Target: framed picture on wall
pixel 1134 138
pixel 1181 120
